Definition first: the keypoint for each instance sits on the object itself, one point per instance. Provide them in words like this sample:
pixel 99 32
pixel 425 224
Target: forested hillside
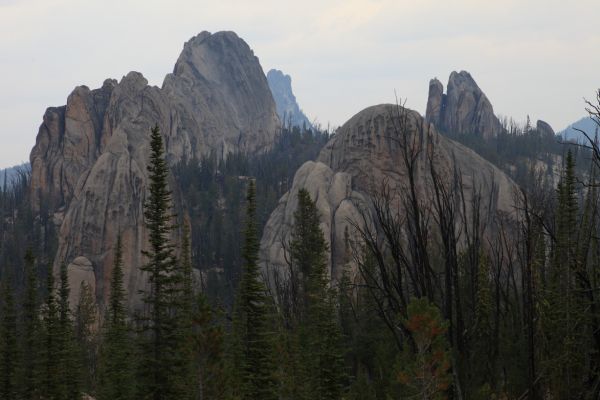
pixel 213 195
pixel 181 243
pixel 479 304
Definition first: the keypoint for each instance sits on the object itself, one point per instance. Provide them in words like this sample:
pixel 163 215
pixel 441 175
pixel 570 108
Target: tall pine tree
pixel 564 357
pixel 50 378
pixel 8 343
pixel 161 337
pixel 321 337
pixel 30 332
pixel 208 349
pixel 116 364
pixel 253 335
pixel 68 354
pixel 187 381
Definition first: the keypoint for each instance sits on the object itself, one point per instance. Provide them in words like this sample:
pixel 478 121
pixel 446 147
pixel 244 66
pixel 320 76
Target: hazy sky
pixel 530 57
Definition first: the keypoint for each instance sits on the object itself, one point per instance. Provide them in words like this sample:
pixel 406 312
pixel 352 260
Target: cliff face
pixel 464 109
pixel 221 98
pixel 89 161
pixel 363 154
pixel 545 129
pixel 287 107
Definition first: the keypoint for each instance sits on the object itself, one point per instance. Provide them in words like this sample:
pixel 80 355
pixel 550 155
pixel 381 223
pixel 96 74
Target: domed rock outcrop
pixel 545 129
pixel 365 152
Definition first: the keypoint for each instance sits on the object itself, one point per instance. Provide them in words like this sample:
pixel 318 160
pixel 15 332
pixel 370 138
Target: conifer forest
pixel 203 239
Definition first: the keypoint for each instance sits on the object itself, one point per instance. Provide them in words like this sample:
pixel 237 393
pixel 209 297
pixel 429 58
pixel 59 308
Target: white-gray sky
pixel 530 57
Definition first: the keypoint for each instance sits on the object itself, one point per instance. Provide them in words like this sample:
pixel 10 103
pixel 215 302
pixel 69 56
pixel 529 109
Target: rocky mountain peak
pixel 135 80
pixel 435 101
pixel 463 81
pixel 464 109
pixel 223 83
pixel 89 161
pixel 203 51
pixel 287 107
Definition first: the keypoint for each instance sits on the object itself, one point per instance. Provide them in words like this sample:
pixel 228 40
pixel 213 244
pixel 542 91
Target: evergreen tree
pixel 85 329
pixel 320 333
pixel 50 384
pixel 30 332
pixel 425 372
pixel 563 317
pixel 116 364
pixel 369 346
pixel 252 330
pixel 186 375
pixel 161 336
pixel 208 349
pixel 68 357
pixel 8 343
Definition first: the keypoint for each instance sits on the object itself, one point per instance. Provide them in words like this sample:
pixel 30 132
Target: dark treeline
pixel 21 229
pixel 213 194
pixel 443 297
pixel 519 147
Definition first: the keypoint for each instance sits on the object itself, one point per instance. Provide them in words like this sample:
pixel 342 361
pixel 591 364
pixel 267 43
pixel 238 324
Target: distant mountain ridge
pixel 288 109
pixel 585 124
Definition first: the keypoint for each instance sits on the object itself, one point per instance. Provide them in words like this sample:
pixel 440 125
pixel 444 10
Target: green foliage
pixel 161 338
pixel 60 366
pixel 253 333
pixel 208 346
pixel 423 371
pixel 214 195
pixel 87 340
pixel 187 380
pixel 522 304
pixel 513 149
pixel 69 361
pixel 30 332
pixel 563 316
pixel 370 348
pixel 116 373
pixel 51 362
pixel 320 337
pixel 8 343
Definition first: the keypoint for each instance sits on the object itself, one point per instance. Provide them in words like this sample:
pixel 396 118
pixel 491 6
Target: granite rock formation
pixel 545 129
pixel 464 109
pixel 287 107
pixel 89 161
pixel 363 154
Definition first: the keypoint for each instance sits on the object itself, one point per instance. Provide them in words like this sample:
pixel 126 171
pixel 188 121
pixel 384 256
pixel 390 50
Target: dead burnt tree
pixel 446 215
pixel 382 260
pixel 531 245
pixel 412 141
pixel 392 251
